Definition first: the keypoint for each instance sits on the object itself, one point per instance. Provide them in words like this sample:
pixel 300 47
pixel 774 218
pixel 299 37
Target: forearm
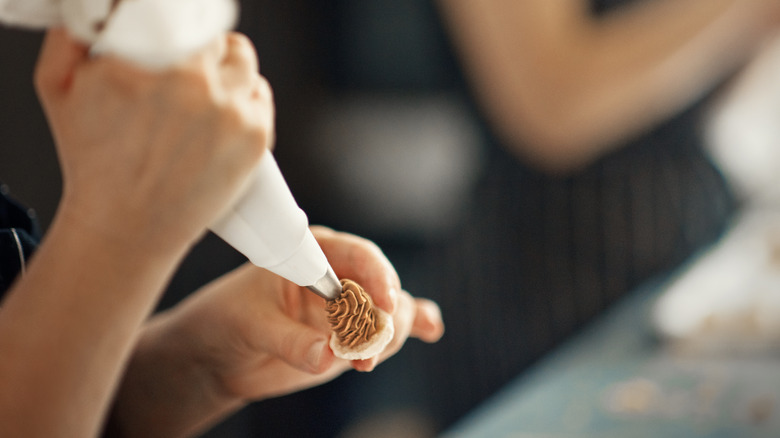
pixel 563 85
pixel 655 59
pixel 204 359
pixel 167 390
pixel 68 326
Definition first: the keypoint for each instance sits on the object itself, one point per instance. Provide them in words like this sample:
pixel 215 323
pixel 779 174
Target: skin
pixel 75 331
pixel 563 87
pixel 233 342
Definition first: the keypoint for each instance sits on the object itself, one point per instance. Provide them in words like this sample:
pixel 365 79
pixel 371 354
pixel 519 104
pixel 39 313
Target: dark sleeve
pixel 19 236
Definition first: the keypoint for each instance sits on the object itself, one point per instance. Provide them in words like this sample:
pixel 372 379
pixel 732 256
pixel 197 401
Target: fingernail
pixel 314 355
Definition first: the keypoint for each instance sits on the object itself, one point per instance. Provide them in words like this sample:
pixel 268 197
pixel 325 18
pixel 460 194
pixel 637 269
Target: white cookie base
pixel 371 348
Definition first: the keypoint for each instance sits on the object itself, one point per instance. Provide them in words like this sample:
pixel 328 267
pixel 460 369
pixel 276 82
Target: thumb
pixel 57 61
pixel 297 344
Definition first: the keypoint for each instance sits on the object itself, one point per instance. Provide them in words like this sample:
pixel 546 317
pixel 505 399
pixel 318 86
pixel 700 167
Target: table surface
pixel 615 379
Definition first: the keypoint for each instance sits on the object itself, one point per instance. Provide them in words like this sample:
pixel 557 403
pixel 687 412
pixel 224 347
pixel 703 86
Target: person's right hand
pixel 154 155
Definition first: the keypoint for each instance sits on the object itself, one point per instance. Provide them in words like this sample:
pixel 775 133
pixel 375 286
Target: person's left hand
pixel 272 335
pixel 251 335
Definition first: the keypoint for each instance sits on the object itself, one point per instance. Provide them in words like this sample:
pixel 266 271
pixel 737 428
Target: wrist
pixel 122 233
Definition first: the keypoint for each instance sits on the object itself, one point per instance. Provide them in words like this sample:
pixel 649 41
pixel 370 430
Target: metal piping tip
pixel 328 286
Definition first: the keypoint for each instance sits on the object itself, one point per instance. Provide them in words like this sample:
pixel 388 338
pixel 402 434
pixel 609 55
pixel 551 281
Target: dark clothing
pixel 540 255
pixel 19 236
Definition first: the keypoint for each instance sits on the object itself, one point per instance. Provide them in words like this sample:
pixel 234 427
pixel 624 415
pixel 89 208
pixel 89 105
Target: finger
pixel 240 54
pixel 238 67
pixel 259 101
pixel 428 325
pixel 403 319
pixel 261 89
pixel 59 57
pixel 365 365
pixel 297 344
pixel 364 262
pixel 417 317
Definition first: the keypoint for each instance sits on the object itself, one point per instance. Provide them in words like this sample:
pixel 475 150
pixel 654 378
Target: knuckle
pixel 189 90
pixel 191 82
pixel 240 48
pixel 233 119
pixel 258 143
pixel 254 137
pixel 264 89
pixel 239 39
pixel 119 75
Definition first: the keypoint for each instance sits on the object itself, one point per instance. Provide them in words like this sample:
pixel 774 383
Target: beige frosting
pixel 352 316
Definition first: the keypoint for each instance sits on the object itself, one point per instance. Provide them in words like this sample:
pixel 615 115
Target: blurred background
pixel 379 136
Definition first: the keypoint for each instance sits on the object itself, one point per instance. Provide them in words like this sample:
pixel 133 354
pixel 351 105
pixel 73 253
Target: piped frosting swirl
pixel 352 316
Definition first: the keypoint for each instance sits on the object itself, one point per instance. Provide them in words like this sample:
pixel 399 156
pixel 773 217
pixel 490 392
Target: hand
pixel 251 335
pixel 266 336
pixel 155 156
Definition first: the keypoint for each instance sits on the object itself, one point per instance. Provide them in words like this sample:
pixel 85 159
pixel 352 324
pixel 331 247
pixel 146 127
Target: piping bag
pixel 265 223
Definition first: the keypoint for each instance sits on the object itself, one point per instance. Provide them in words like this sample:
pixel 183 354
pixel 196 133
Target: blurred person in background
pixel 594 178
pixel 597 179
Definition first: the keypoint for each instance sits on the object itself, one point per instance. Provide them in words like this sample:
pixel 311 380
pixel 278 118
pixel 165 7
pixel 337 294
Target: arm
pixel 563 87
pixel 67 327
pixel 251 335
pixel 131 144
